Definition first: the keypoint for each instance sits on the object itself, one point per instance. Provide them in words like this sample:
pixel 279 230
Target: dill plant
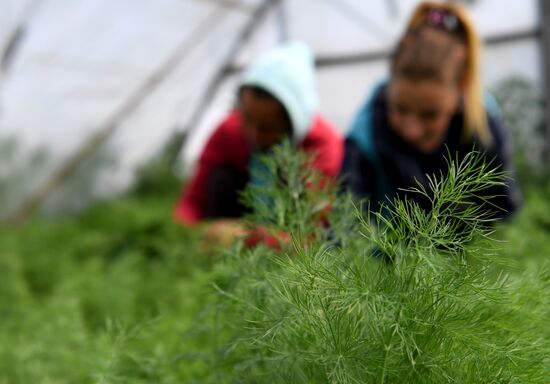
pixel 404 296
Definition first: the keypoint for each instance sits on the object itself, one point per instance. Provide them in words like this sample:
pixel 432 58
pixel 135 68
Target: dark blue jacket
pixel 378 164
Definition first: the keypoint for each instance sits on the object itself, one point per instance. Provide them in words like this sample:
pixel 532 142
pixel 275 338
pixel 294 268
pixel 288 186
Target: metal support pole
pixel 223 70
pixel 282 22
pixel 544 9
pixel 91 144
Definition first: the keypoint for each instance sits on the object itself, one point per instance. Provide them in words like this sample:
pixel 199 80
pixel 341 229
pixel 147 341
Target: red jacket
pixel 228 147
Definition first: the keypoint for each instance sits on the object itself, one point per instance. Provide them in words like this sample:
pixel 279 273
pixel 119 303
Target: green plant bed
pixel 120 294
pixel 402 297
pixel 110 296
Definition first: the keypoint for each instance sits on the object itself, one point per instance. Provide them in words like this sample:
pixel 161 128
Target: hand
pixel 223 232
pixel 275 239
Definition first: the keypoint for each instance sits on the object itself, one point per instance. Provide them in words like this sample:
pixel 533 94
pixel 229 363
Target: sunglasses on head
pixel 446 20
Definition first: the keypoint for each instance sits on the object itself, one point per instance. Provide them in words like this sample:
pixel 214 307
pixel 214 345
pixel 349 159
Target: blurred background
pixel 104 108
pixel 94 94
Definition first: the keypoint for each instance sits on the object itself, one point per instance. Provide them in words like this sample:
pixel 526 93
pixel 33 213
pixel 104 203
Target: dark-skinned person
pixel 276 100
pixel 432 109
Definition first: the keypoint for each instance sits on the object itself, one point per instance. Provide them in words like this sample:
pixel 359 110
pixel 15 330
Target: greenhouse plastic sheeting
pixel 78 62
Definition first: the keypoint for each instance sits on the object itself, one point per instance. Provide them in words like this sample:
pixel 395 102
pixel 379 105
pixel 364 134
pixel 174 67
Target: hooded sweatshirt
pixel 286 72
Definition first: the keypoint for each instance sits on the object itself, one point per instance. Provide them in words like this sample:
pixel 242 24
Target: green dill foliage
pixel 407 296
pixel 112 296
pixel 287 194
pixel 120 294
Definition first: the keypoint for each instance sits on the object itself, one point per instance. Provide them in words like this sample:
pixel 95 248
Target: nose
pixel 251 130
pixel 411 129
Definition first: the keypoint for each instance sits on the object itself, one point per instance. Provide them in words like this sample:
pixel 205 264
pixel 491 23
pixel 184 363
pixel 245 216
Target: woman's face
pixel 265 120
pixel 420 111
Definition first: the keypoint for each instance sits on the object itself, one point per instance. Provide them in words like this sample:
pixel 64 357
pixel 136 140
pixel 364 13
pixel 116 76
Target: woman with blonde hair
pixel 431 107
